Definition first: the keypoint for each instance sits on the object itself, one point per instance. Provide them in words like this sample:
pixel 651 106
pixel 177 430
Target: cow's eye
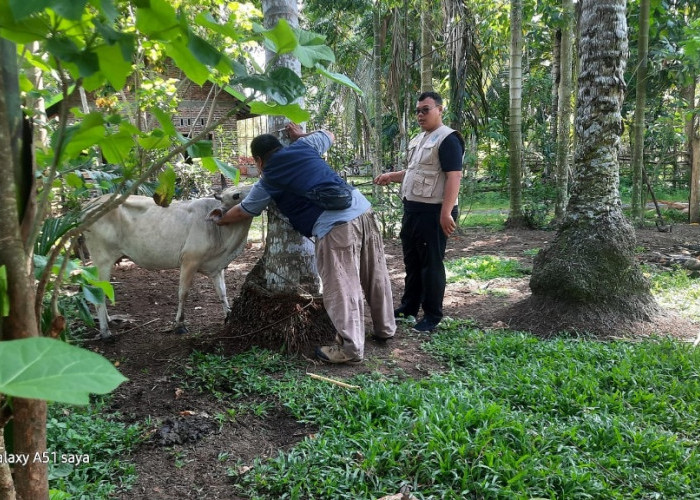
pixel 236 196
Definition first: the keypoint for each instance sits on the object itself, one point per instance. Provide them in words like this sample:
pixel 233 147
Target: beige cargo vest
pixel 424 180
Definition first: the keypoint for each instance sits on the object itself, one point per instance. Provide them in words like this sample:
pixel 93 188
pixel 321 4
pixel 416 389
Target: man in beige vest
pixel 429 189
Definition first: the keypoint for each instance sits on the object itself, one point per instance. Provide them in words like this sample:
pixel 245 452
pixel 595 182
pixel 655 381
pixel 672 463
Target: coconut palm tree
pixel 589 270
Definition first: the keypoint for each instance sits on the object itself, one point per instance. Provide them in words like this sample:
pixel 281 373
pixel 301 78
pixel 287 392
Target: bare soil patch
pixel 189 452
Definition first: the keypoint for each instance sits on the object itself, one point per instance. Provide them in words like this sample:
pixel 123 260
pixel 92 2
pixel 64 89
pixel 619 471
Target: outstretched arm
pixel 295 131
pixel 234 214
pixel 389 177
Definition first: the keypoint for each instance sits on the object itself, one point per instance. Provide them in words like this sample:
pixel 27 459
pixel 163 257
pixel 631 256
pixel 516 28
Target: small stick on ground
pixel 332 381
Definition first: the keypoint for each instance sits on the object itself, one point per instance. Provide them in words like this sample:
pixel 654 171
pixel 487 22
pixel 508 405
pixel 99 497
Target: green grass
pixel 676 290
pixel 483 267
pixel 512 417
pixel 89 432
pixel 495 220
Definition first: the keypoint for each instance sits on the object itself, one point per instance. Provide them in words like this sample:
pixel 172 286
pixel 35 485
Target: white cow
pixel 180 235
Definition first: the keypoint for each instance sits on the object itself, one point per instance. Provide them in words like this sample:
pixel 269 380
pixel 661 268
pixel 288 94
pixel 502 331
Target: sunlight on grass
pixel 495 220
pixel 483 267
pixel 676 290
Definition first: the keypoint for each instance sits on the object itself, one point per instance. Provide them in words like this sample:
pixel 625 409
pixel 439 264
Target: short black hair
pixel 431 95
pixel 264 145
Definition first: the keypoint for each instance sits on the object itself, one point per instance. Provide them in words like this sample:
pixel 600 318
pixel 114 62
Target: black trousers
pixel 423 243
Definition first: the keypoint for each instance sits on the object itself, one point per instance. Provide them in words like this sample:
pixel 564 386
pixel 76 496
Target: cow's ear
pixel 215 215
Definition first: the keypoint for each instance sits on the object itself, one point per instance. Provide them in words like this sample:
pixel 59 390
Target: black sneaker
pixel 425 325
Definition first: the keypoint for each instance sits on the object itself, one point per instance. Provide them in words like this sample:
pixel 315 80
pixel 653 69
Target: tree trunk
pixel 31 481
pixel 564 115
pixel 556 78
pixel 289 257
pixel 516 218
pixel 426 47
pixel 269 310
pixel 377 91
pixel 7 487
pixel 589 271
pixel 693 151
pixel 638 125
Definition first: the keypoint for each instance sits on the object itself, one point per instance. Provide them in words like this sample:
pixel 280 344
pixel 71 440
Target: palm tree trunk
pixel 693 151
pixel 590 265
pixel 516 218
pixel 564 114
pixel 289 257
pixel 377 90
pixel 426 47
pixel 638 125
pixel 285 278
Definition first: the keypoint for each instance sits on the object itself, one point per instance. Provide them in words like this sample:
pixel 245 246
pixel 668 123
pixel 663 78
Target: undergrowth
pixel 512 417
pixel 99 441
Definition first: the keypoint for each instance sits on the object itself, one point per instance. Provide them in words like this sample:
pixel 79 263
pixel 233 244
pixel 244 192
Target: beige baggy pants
pixel 352 266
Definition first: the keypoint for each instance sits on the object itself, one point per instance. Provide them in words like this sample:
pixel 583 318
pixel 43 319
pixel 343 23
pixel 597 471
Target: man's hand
pixel 294 131
pixel 389 177
pixel 447 223
pixel 234 215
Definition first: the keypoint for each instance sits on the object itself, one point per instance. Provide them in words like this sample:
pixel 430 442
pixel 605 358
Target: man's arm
pixel 234 214
pixel 295 132
pixel 389 177
pixel 449 200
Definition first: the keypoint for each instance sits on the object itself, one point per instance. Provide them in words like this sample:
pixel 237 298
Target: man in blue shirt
pixel 349 248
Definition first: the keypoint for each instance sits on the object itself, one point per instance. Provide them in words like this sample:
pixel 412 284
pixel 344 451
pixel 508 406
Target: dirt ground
pixel 188 452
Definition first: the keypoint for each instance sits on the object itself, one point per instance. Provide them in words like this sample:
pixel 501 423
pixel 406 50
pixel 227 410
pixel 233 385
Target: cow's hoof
pixel 180 330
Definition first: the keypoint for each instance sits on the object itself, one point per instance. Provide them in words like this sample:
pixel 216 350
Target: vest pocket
pixel 424 183
pixel 428 155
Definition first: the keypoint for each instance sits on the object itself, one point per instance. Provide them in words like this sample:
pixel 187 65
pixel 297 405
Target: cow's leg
pixel 104 271
pixel 220 287
pixel 187 271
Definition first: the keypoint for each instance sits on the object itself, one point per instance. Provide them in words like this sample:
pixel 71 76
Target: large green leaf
pixel 155 140
pixel 43 368
pixel 22 31
pixel 281 39
pixel 165 120
pixel 113 64
pixel 292 111
pixel 25 8
pixel 186 61
pixel 214 165
pixel 206 20
pixel 90 131
pixel 70 9
pixel 312 49
pixel 165 191
pixel 205 52
pixel 340 78
pixel 108 9
pixel 282 85
pixel 201 149
pixel 116 147
pixel 157 19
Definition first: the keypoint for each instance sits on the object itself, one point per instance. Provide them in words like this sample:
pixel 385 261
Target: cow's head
pixel 232 196
pixel 229 197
